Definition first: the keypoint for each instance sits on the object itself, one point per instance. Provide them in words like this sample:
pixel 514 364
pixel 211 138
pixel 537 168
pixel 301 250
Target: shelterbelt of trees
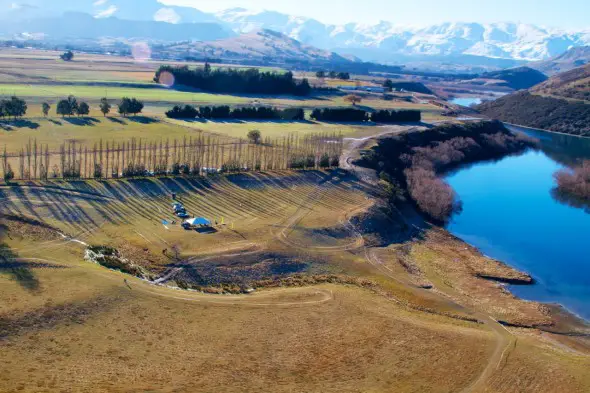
pixel 409 164
pixel 225 112
pixel 359 115
pixel 202 155
pixel 294 114
pixel 222 80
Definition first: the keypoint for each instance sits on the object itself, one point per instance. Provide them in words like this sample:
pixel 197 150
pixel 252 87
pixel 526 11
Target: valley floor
pixel 347 297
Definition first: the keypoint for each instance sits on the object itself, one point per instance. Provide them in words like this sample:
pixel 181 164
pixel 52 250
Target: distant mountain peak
pixel 507 40
pixel 381 42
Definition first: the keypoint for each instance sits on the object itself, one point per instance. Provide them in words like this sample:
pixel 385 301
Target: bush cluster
pixel 413 161
pixel 129 106
pixel 14 107
pixel 574 184
pixel 359 115
pixel 70 107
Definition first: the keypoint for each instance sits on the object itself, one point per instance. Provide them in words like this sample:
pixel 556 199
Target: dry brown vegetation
pixel 575 183
pixel 415 161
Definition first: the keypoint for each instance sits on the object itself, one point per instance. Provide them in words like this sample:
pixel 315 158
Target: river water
pixel 510 213
pixel 466 101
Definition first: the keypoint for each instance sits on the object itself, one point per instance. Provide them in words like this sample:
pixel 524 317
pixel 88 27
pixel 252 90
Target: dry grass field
pixel 304 284
pixel 68 324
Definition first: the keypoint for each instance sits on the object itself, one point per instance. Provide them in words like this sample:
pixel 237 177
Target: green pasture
pixel 54 130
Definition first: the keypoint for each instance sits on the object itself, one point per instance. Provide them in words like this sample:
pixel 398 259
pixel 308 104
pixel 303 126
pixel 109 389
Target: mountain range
pixel 381 42
pixel 258 46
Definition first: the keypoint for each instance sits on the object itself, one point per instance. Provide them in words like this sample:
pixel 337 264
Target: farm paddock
pixel 330 311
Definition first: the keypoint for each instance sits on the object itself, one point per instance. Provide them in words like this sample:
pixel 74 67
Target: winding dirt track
pixel 313 296
pixel 505 340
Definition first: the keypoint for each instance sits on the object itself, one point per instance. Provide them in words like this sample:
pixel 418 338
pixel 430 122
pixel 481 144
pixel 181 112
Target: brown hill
pixel 573 84
pixel 516 78
pixel 560 104
pixel 263 45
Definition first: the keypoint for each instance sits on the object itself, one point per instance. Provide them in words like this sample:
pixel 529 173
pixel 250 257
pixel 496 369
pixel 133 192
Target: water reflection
pixel 512 212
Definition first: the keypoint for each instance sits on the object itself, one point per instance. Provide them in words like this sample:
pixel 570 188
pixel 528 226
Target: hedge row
pixel 359 115
pixel 270 113
pixel 225 112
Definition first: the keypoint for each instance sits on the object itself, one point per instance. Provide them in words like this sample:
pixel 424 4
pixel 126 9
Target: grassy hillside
pixel 517 78
pixel 573 84
pixel 559 104
pixel 69 324
pixel 536 111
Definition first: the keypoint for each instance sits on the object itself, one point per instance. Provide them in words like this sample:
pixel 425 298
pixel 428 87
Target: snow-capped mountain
pixel 381 42
pixel 498 40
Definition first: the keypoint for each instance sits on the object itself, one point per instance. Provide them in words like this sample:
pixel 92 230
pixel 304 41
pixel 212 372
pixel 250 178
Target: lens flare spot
pixel 167 79
pixel 141 51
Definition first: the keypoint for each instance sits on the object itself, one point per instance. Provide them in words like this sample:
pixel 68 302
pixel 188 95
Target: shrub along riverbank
pixel 573 185
pixel 410 164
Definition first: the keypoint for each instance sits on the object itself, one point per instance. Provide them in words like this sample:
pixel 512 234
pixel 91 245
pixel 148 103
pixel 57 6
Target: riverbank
pixel 411 164
pixel 426 256
pixel 460 271
pixel 517 126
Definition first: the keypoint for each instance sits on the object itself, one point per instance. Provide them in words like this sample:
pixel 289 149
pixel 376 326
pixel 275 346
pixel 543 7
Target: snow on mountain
pixel 499 40
pixel 383 41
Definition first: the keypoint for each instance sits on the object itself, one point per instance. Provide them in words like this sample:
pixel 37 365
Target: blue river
pixel 466 101
pixel 511 213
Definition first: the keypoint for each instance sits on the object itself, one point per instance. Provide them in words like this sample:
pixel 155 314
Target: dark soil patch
pixel 242 271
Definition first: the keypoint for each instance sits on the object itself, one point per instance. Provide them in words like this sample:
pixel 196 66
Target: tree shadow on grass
pixel 57 123
pixel 21 273
pixel 8 125
pixel 117 120
pixel 143 119
pixel 82 121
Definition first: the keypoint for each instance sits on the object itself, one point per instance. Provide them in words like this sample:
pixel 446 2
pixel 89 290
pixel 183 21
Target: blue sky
pixel 573 14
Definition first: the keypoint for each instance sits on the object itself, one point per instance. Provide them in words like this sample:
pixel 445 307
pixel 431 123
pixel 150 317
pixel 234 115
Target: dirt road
pixel 505 340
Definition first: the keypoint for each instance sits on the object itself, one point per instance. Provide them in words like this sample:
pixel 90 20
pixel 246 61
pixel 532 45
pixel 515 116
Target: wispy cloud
pixel 107 13
pixel 167 15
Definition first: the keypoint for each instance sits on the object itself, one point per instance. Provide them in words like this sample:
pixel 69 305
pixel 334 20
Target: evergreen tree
pixel 83 109
pixel 46 107
pixel 105 107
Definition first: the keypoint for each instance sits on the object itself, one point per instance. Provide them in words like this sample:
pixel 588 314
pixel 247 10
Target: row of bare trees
pixel 191 156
